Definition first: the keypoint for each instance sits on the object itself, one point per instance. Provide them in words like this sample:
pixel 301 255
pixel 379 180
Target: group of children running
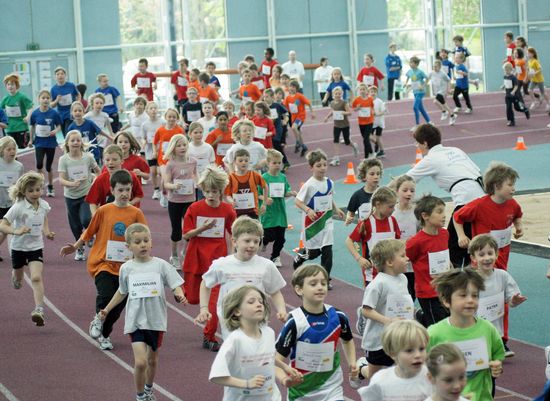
pixel 221 179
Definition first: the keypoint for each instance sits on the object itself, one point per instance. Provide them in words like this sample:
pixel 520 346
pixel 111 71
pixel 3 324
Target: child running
pixel 148 131
pixel 265 129
pixel 220 138
pixel 101 119
pixel 26 221
pixel 131 160
pixel 370 172
pixel 461 84
pixel 512 89
pixel 137 117
pixel 296 104
pixel 17 106
pixel 141 284
pixel 440 87
pixel 242 133
pixel 379 122
pixel 537 79
pixel 447 373
pixel 419 80
pixel 364 104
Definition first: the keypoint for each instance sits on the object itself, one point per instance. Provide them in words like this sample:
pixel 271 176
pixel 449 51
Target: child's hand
pixel 29 145
pixel 208 224
pixel 353 371
pixel 50 235
pixel 516 300
pixel 349 220
pixel 67 250
pixel 364 263
pixel 311 214
pixel 519 232
pixel 21 230
pixel 294 377
pixel 137 172
pixel 180 299
pixel 53 133
pixel 340 213
pixel 291 193
pixel 203 316
pixel 268 201
pixel 256 382
pixel 262 209
pixel 282 316
pixel 463 241
pixel 103 314
pixel 496 368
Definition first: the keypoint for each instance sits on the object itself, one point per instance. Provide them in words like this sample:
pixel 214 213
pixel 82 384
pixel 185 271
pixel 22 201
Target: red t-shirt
pixel 485 216
pixel 225 141
pixel 132 162
pixel 250 91
pixel 259 83
pixel 265 122
pixel 370 71
pixel 181 83
pixel 231 122
pixel 417 249
pixel 266 69
pixel 298 109
pixel 144 84
pixel 510 53
pixel 100 191
pixel 202 251
pixel 364 103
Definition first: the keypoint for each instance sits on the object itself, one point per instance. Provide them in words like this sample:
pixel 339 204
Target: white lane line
pixel 510 392
pixel 108 354
pixel 7 393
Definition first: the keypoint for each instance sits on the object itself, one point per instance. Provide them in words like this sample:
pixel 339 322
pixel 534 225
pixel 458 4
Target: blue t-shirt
pixel 393 60
pixel 462 49
pixel 340 84
pixel 89 131
pixel 3 119
pixel 50 118
pixel 110 93
pixel 68 88
pixel 214 81
pixel 461 80
pixel 278 122
pixel 448 67
pixel 417 78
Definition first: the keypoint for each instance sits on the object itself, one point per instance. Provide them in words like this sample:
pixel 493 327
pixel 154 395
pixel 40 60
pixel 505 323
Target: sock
pixel 148 388
pixel 140 396
pixel 157 188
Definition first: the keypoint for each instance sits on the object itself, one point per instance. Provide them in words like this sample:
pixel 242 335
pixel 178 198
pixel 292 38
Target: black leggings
pixel 277 236
pixel 432 311
pixel 459 256
pixel 326 256
pixel 464 92
pixel 40 153
pixel 176 211
pixel 21 138
pixel 107 285
pixel 366 131
pixel 278 145
pixel 391 93
pixel 336 134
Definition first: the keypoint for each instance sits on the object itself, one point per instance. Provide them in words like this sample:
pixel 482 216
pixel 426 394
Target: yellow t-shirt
pixel 534 65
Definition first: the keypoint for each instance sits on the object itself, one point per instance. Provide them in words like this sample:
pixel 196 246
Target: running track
pixel 59 362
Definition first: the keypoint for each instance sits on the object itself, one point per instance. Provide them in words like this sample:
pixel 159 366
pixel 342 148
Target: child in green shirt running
pixel 17 107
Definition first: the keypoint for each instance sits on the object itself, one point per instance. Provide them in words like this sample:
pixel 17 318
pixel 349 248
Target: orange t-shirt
pixel 521 71
pixel 208 93
pixel 109 223
pixel 194 84
pixel 364 103
pixel 242 185
pixel 162 139
pixel 296 105
pixel 226 141
pixel 250 91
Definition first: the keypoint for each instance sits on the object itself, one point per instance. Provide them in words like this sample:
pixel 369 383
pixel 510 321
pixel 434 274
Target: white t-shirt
pixel 295 70
pixel 379 108
pixel 204 155
pixel 256 150
pixel 385 385
pixel 135 124
pixel 377 296
pixel 9 174
pixel 102 120
pixel 22 213
pixel 232 273
pixel 440 82
pixel 243 357
pixel 207 125
pixel 322 74
pixel 148 130
pixel 144 283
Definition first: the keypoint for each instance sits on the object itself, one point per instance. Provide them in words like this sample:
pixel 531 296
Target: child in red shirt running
pixel 131 160
pixel 428 252
pixel 180 80
pixel 296 104
pixel 369 74
pixel 220 138
pixel 207 228
pixel 265 129
pixel 378 226
pixel 144 82
pixel 256 79
pixel 364 104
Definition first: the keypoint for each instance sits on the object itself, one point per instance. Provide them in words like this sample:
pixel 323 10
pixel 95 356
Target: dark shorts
pixel 20 259
pixel 378 131
pixel 379 358
pixel 152 162
pixel 298 123
pixel 150 337
pixel 440 98
pixel 3 211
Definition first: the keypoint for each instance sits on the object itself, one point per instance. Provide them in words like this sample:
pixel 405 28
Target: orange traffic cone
pixel 418 156
pixel 350 175
pixel 520 144
pixel 300 246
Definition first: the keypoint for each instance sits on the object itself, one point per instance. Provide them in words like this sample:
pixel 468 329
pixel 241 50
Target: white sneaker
pixel 105 343
pixel 50 193
pixel 444 115
pixel 334 162
pixel 457 110
pixel 156 194
pixel 431 123
pixel 452 120
pixel 355 149
pixel 468 111
pixel 80 254
pixel 37 316
pixel 277 261
pixel 163 201
pixel 413 128
pixel 547 354
pixel 534 105
pixel 175 261
pixel 96 326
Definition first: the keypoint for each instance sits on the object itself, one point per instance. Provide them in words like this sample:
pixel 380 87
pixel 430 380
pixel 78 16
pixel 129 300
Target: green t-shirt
pixel 479 382
pixel 16 108
pixel 275 214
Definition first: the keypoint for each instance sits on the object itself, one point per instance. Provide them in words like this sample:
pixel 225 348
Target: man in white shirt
pixel 294 69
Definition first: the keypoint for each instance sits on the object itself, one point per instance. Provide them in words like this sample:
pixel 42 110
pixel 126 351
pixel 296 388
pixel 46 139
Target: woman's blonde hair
pixel 236 129
pixel 83 146
pixel 234 300
pixel 169 155
pixel 30 178
pixel 403 334
pixel 135 147
pixel 5 142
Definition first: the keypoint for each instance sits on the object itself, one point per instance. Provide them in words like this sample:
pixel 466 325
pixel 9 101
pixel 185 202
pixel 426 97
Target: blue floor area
pixel 528 271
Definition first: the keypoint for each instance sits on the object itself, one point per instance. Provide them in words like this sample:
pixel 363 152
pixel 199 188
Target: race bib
pixel 337 115
pixel 182 81
pixel 439 262
pixel 364 210
pixel 263 365
pixel 66 100
pixel 364 112
pixel 117 251
pixel 508 52
pixel 531 71
pixel 260 132
pixel 273 114
pixel 35 223
pixel 266 69
pixel 475 352
pixel 187 187
pixel 222 148
pixel 244 201
pixel 193 115
pixel 259 84
pixel 143 83
pixel 13 111
pixel 322 203
pixel 508 84
pixel 276 189
pixel 445 69
pixel 315 357
pixel 502 237
pixel 144 285
pixel 216 231
pixel 150 136
pixel 293 108
pixel 491 308
pixel 109 101
pixel 8 178
pixel 399 306
pixel 415 85
pixel 368 80
pixel 246 99
pixel 78 172
pixel 43 131
pixel 518 70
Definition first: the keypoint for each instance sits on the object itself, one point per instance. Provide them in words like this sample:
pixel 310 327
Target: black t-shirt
pixel 357 199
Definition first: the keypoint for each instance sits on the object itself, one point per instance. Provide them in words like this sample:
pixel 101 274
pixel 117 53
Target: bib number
pixel 293 108
pixel 314 357
pixel 66 100
pixel 8 178
pixel 338 115
pixel 364 112
pixel 187 187
pixel 322 203
pixel 439 262
pixel 260 132
pixel 400 306
pixel 276 190
pixel 368 80
pixel 35 223
pixel 222 148
pixel 182 81
pixel 144 285
pixel 143 82
pixel 117 251
pixel 193 115
pixel 475 352
pixel 491 308
pixel 502 237
pixel 216 231
pixel 13 111
pixel 77 173
pixel 244 201
pixel 109 99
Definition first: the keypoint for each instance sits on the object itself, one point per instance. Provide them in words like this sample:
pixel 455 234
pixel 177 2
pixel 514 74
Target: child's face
pixel 252 307
pixel 436 218
pixel 196 134
pixel 33 192
pixel 112 161
pixel 75 141
pixel 450 381
pixel 229 108
pixel 285 81
pixel 192 95
pixel 246 77
pixel 245 133
pixel 210 69
pixel 193 76
pixel 411 359
pixel 171 118
pixel 508 70
pixel 139 107
pixel 437 67
pixel 458 58
pixel 222 122
pixel 373 92
pixel 406 192
pixel 103 82
pixel 258 112
pixel 336 75
pixel 212 196
pixel 279 95
pixel 268 98
pixel 292 89
pixel 124 143
pixel 152 111
pixel 413 64
pixel 400 261
pixel 181 148
pixel 77 112
pixel 506 190
pixel 368 60
pixel 485 258
pixel 241 163
pixel 443 54
pixel 363 91
pixel 11 87
pixel 98 104
pixel 60 77
pixel 464 302
pixel 507 39
pixel 122 193
pixel 319 169
pixel 142 67
pixel 314 289
pixel 337 94
pixel 274 166
pixel 249 110
pixel 140 245
pixel 516 54
pixel 9 152
pixel 44 100
pixel 373 176
pixel 246 246
pixel 385 209
pixel 207 109
pixel 458 43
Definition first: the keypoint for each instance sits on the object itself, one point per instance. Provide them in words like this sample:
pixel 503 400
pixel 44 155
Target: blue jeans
pixel 418 108
pixel 79 214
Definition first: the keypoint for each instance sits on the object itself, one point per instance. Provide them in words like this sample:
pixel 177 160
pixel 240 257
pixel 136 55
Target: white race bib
pixel 246 99
pixel 193 115
pixel 266 69
pixel 77 172
pixel 8 178
pixel 415 85
pixel 144 285
pixel 273 114
pixel 439 262
pixel 260 132
pixel 276 189
pixel 259 84
pixel 13 111
pixel 244 201
pixel 215 232
pixel 445 69
pixel 66 100
pixel 502 237
pixel 531 71
pixel 187 186
pixel 399 306
pixel 338 115
pixel 182 81
pixel 222 148
pixel 117 251
pixel 150 136
pixel 475 352
pixel 314 357
pixel 491 308
pixel 364 112
pixel 109 99
pixel 143 83
pixel 43 131
pixel 35 223
pixel 508 52
pixel 508 84
pixel 293 108
pixel 322 203
pixel 364 210
pixel 518 70
pixel 263 365
pixel 368 80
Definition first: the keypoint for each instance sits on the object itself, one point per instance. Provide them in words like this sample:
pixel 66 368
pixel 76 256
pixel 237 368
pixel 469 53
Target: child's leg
pixel 36 268
pixel 416 108
pixel 378 136
pixel 457 91
pixel 176 212
pixel 269 236
pixel 141 351
pixel 433 310
pixel 107 285
pixel 336 142
pixel 73 215
pixel 297 134
pixel 439 101
pixel 39 154
pixel 191 287
pixel 154 176
pixel 50 155
pixel 366 130
pixel 84 213
pixel 212 325
pixel 391 82
pixel 152 362
pixel 278 242
pixel 466 95
pixel 422 109
pixel 326 258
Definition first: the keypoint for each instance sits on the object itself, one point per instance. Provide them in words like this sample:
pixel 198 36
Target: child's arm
pixel 208 224
pixel 68 249
pixel 32 135
pixel 106 135
pixel 518 225
pixel 230 381
pixel 330 113
pixel 93 208
pixel 167 180
pixel 115 300
pixel 302 206
pixel 280 306
pixel 204 297
pixel 349 352
pixel 338 211
pixel 364 263
pixel 348 110
pixel 463 240
pixel 496 368
pixel 311 111
pixel 372 314
pixel 6 228
pixel 46 229
pixel 119 104
pixel 286 375
pixel 349 218
pixel 516 299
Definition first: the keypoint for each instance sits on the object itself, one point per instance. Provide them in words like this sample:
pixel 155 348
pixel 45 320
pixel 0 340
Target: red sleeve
pixel 213 94
pixel 142 165
pixel 153 77
pixel 357 236
pixel 133 81
pixel 467 213
pixel 174 78
pixel 156 138
pixel 518 213
pixel 189 219
pixel 270 126
pixel 231 217
pixel 360 76
pixel 397 229
pixel 355 102
pixel 137 189
pixel 258 92
pixel 285 102
pixel 258 178
pixel 378 74
pixel 97 194
pixel 411 249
